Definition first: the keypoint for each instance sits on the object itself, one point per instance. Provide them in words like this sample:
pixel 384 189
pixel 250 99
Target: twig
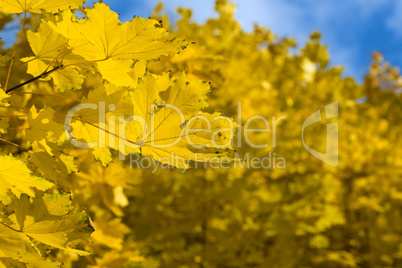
pixel 15 49
pixel 43 75
pixel 9 142
pixel 47 94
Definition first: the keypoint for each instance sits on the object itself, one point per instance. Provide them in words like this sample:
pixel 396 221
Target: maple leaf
pixel 42 126
pixel 69 78
pixel 36 6
pixel 87 128
pixel 46 43
pixel 64 78
pixel 190 96
pixel 34 259
pixel 115 259
pixel 5 59
pixel 146 94
pixel 100 40
pixel 136 39
pixel 50 161
pixel 103 190
pixel 12 243
pixel 150 101
pixel 16 177
pixel 168 137
pixel 51 50
pixel 103 155
pixel 117 71
pixel 110 232
pixel 3 98
pixel 3 127
pixel 50 220
pixel 217 122
pixel 18 249
pixel 65 23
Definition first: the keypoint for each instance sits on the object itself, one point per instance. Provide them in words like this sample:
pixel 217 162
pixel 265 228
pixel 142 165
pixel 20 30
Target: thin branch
pixel 205 215
pixel 15 115
pixel 18 128
pixel 43 75
pixel 15 230
pixel 46 94
pixel 98 127
pixel 91 260
pixel 16 107
pixel 84 66
pixel 15 49
pixel 16 67
pixel 9 142
pixel 83 62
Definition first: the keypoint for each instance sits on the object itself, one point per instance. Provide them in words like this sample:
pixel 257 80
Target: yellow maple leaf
pixel 3 127
pixel 50 161
pixel 136 39
pixel 36 6
pixel 175 137
pixel 117 71
pixel 51 220
pixel 99 42
pixel 164 109
pixel 3 98
pixel 42 126
pixel 51 50
pixel 16 177
pixel 110 232
pixel 11 242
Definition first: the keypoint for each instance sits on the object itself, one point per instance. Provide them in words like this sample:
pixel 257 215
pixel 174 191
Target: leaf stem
pixel 16 67
pixel 91 260
pixel 15 107
pixel 83 62
pixel 46 94
pixel 18 128
pixel 98 127
pixel 15 50
pixel 15 115
pixel 42 75
pixel 9 142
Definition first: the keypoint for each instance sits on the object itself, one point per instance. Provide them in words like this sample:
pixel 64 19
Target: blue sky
pixel 352 29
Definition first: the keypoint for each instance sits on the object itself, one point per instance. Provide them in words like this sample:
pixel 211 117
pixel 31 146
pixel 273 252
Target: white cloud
pixel 369 7
pixel 274 14
pixel 394 22
pixel 202 10
pixel 296 19
pixel 340 21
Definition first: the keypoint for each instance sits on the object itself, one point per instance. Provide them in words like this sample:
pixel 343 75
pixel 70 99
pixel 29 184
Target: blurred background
pixel 351 29
pixel 307 214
